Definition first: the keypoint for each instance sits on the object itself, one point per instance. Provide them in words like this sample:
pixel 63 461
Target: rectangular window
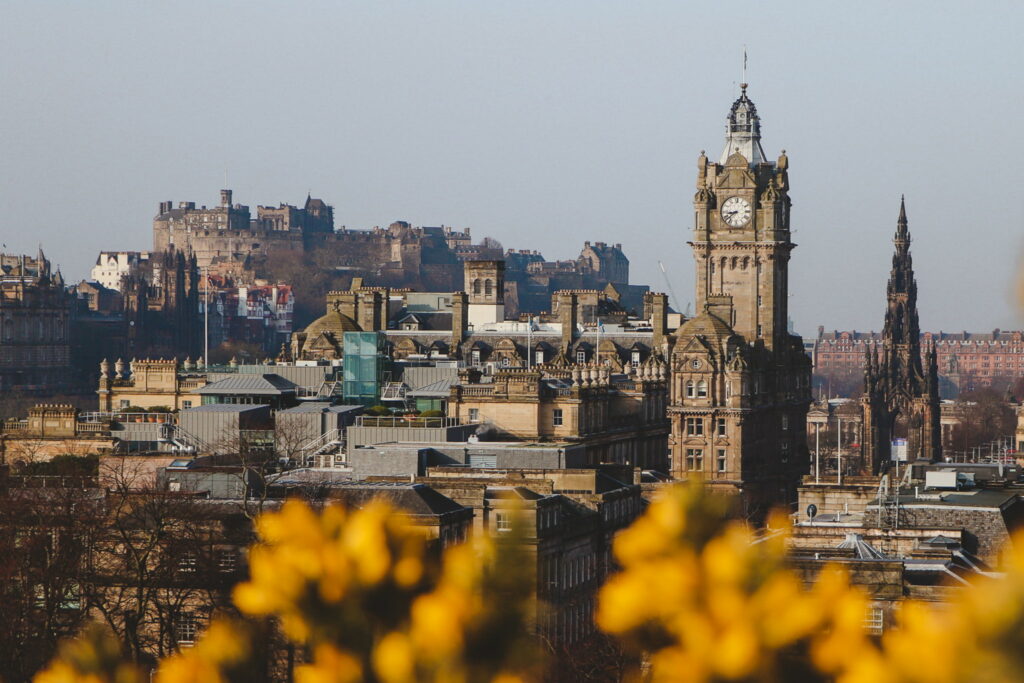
pixel 503 521
pixel 581 356
pixel 188 561
pixel 125 403
pixel 695 459
pixel 556 417
pixel 695 426
pixel 474 414
pixel 720 427
pixel 721 460
pixel 785 422
pixel 227 560
pixel 185 630
pixel 186 404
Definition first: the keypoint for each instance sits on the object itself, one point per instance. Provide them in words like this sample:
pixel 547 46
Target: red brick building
pixel 967 360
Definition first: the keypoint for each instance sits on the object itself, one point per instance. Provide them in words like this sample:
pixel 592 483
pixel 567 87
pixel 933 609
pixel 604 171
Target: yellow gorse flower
pixel 710 600
pixel 700 597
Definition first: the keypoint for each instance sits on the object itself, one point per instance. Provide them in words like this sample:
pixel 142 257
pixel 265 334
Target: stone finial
pixel 187 364
pixel 233 362
pixel 200 363
pixel 119 369
pixel 104 368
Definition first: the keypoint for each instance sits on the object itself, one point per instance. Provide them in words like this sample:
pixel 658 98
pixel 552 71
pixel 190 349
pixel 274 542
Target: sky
pixel 541 124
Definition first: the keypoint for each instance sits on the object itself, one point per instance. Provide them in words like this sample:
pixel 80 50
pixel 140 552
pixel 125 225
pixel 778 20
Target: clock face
pixel 736 211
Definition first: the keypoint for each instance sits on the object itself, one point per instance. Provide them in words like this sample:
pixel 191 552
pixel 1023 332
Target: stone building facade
pixel 35 319
pixel 618 418
pixel 740 383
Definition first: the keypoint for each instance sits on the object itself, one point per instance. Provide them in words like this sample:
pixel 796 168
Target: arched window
pixel 488 287
pixel 476 286
pixel 702 389
pixel 689 389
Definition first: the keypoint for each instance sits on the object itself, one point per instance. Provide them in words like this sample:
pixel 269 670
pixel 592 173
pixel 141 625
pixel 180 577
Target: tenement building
pixel 35 350
pixel 740 384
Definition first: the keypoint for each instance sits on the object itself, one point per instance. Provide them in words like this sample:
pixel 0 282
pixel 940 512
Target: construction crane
pixel 672 293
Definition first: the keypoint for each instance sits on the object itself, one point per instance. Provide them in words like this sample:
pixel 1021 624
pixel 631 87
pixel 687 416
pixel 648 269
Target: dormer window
pixel 476 356
pixel 539 357
pixel 636 358
pixel 581 356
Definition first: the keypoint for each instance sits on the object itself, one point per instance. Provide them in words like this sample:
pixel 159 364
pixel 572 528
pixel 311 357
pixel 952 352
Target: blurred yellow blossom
pixel 700 597
pixel 707 599
pixel 93 657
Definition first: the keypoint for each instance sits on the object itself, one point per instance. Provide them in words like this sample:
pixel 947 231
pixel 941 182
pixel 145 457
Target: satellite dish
pixel 812 511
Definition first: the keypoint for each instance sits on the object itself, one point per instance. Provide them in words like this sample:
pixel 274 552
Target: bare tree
pixel 46 529
pixel 162 564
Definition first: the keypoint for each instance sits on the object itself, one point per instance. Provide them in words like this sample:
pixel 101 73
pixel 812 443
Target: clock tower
pixel 741 239
pixel 740 381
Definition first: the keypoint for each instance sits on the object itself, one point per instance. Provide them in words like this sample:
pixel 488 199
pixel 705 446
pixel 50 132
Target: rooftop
pixel 251 385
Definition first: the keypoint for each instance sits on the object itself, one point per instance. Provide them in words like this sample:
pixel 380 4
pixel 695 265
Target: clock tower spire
pixel 743 130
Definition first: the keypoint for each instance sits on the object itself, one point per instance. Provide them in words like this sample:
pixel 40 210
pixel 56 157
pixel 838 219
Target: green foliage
pixel 432 413
pixel 378 410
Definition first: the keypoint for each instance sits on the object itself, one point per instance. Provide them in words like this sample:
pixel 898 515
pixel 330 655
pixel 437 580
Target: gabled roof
pixel 439 389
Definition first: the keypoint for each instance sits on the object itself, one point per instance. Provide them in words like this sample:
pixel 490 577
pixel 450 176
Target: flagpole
pixel 529 344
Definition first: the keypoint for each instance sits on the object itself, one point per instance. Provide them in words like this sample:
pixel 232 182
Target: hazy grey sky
pixel 541 124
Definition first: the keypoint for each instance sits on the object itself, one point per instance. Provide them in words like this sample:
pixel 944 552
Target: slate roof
pixel 495 492
pixel 253 385
pixel 415 499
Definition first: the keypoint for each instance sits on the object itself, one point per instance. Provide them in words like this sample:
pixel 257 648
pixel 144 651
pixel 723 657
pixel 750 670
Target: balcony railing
pixel 125 417
pixel 407 421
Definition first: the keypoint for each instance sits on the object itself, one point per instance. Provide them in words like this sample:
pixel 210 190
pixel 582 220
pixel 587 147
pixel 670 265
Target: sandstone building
pixel 35 320
pixel 740 383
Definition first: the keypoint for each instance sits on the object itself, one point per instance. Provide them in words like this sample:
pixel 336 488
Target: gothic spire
pixel 901 336
pixel 902 232
pixel 743 130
